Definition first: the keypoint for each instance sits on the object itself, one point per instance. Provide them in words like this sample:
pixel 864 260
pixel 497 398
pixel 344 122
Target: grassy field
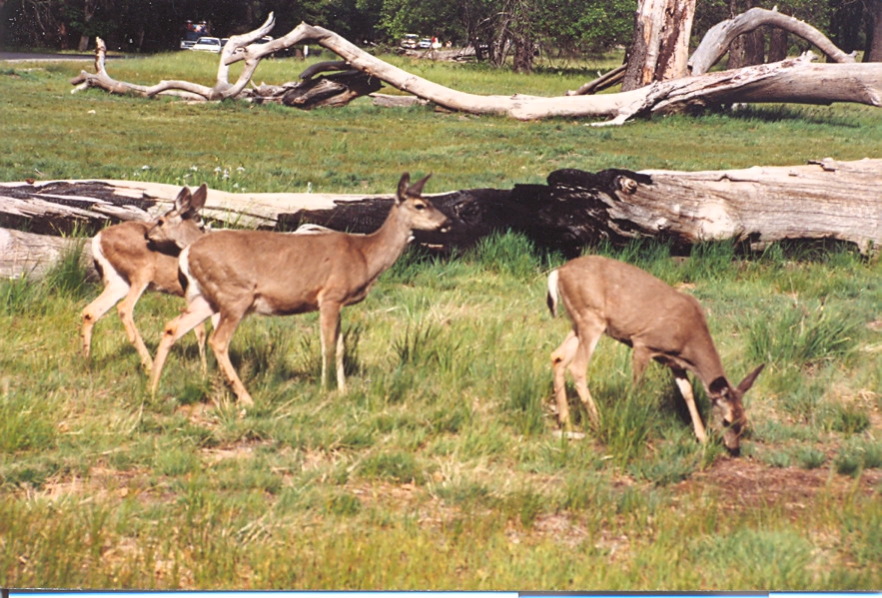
pixel 439 468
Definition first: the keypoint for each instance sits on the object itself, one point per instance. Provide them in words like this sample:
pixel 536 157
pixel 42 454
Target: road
pixel 28 57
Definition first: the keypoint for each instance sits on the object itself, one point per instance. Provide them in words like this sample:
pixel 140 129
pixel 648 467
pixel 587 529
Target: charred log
pixel 573 210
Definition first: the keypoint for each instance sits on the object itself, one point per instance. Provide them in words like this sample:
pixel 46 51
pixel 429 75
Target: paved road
pixel 26 57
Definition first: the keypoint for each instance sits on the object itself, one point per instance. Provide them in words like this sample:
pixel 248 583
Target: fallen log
pixel 575 209
pixel 29 254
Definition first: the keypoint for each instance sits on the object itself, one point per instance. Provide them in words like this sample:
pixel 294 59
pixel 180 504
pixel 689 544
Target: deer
pixel 134 256
pixel 606 296
pixel 231 274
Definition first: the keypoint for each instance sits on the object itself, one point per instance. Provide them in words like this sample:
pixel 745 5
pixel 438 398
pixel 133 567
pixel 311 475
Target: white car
pixel 207 44
pixel 410 41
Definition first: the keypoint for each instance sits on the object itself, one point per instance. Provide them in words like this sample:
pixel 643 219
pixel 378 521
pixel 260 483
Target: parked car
pixel 425 43
pixel 207 44
pixel 410 41
pixel 189 40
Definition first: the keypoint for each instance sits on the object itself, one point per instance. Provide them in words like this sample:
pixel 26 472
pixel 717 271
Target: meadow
pixel 439 468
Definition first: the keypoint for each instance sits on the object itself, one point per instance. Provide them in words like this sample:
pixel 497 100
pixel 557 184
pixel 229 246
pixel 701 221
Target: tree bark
pixel 574 210
pixel 873 51
pixel 660 48
pixel 777 45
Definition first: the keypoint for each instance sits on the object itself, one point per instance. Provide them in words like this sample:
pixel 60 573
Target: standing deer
pixel 230 274
pixel 134 256
pixel 605 296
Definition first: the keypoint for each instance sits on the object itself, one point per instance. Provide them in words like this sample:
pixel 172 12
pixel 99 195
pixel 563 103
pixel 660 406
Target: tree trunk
pixel 574 210
pixel 777 45
pixel 89 8
pixel 660 49
pixel 524 51
pixel 846 23
pixel 873 52
pixel 743 49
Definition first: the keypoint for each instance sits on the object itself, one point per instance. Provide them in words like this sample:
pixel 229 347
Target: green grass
pixel 236 146
pixel 441 457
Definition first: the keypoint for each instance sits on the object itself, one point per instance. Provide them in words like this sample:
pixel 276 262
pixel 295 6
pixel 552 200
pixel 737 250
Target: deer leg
pixel 588 339
pixel 126 311
pixel 114 290
pixel 560 359
pixel 639 360
pixel 201 335
pixel 682 381
pixel 199 331
pixel 197 311
pixel 341 375
pixel 220 344
pixel 331 340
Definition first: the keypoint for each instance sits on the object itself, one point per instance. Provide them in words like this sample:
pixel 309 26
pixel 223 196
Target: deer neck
pixel 384 246
pixel 708 366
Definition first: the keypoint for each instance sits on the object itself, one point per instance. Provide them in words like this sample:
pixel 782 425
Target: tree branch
pixel 717 40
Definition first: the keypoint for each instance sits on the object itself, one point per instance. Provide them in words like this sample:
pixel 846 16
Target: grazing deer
pixel 230 274
pixel 134 256
pixel 605 296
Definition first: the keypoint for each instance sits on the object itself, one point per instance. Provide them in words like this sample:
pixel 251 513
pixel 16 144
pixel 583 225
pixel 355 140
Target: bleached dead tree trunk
pixel 661 42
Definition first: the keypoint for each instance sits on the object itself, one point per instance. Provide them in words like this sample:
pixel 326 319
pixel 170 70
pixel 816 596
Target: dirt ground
pixel 749 484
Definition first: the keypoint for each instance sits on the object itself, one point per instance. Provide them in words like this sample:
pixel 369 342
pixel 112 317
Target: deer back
pixel 278 273
pixel 124 248
pixel 639 309
pixel 268 272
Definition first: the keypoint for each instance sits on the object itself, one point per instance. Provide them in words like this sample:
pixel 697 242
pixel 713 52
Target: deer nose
pixel 732 437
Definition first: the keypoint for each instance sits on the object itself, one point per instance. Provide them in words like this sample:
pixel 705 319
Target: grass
pixel 441 457
pixel 271 148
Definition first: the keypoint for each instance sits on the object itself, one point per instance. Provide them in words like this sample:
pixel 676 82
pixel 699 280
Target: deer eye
pixel 420 206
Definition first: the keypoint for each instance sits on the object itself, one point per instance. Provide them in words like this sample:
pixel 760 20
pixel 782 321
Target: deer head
pixel 419 213
pixel 728 410
pixel 181 225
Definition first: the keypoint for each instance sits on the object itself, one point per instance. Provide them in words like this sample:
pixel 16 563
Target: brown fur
pixel 130 262
pixel 606 296
pixel 234 273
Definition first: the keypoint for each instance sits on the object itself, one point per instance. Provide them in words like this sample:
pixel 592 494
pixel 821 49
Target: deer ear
pixel 417 188
pixel 182 201
pixel 402 186
pixel 748 381
pixel 197 201
pixel 718 388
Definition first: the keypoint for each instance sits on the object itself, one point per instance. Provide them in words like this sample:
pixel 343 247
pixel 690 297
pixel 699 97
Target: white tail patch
pixel 98 256
pixel 553 295
pixel 192 289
